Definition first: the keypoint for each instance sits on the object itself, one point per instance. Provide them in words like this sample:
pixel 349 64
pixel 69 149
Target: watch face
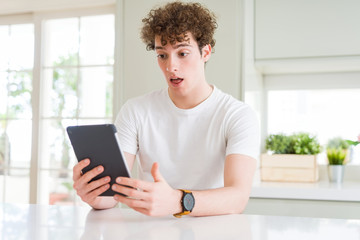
pixel 188 202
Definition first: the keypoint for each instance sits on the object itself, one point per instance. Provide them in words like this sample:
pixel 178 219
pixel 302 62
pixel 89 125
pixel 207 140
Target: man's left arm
pixel 232 198
pixel 158 198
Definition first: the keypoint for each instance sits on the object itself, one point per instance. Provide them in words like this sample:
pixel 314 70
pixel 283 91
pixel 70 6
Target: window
pixel 16 65
pixel 326 113
pixel 76 87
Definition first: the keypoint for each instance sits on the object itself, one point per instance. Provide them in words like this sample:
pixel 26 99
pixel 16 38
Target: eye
pixel 183 54
pixel 161 56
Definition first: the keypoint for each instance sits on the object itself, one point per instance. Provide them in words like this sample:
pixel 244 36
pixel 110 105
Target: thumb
pixel 155 172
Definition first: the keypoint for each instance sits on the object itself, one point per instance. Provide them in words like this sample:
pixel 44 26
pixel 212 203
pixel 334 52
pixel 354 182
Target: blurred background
pixel 297 63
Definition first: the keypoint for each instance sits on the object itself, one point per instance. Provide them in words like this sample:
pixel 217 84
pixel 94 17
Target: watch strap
pixel 183 212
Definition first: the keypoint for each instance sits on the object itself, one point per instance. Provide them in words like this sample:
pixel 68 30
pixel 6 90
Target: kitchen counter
pixel 70 222
pixel 321 199
pixel 322 190
pixel 349 190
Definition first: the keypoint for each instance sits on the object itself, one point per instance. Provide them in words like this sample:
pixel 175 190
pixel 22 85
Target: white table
pixel 69 222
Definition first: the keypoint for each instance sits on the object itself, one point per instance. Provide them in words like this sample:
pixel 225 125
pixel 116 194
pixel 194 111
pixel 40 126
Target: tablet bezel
pixel 98 142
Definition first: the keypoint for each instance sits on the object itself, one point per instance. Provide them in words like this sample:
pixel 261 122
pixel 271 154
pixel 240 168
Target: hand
pixel 89 192
pixel 150 198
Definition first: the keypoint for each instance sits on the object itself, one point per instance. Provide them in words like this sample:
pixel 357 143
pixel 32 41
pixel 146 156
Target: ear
pixel 206 52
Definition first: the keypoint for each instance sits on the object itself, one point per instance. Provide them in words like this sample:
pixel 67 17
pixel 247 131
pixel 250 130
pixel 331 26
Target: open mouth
pixel 176 80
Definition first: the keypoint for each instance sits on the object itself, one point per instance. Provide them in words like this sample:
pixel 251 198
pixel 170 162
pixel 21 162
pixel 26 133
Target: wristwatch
pixel 187 203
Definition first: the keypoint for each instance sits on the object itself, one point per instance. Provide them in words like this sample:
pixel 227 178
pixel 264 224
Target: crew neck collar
pixel 198 107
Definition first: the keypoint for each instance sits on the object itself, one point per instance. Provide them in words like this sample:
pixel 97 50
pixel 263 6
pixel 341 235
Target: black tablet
pixel 100 144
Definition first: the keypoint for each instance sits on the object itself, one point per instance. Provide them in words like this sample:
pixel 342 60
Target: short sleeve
pixel 243 132
pixel 127 129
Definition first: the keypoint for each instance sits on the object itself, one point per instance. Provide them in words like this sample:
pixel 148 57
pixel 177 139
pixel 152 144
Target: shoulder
pixel 135 109
pixel 145 102
pixel 150 97
pixel 232 106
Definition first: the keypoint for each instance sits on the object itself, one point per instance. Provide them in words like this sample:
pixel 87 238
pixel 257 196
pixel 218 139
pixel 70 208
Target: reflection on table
pixel 70 222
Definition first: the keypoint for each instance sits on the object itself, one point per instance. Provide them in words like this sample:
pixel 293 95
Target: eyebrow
pixel 175 46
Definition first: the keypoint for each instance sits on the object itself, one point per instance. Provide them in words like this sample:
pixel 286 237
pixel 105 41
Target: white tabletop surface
pixel 69 222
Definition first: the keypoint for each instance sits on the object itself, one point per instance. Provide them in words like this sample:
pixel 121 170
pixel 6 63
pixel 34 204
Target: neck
pixel 193 98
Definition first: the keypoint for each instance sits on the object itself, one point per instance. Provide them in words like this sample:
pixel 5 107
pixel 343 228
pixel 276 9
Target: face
pixel 183 65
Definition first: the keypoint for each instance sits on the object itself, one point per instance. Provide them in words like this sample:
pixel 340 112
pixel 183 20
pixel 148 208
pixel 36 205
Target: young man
pixel 189 136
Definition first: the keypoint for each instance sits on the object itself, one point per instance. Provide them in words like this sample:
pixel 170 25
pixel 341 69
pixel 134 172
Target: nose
pixel 172 64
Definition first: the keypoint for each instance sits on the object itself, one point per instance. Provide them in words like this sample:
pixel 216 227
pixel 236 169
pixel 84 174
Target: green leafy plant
pixel 278 143
pixel 306 144
pixel 336 150
pixel 336 156
pixel 352 143
pixel 300 143
pixel 337 142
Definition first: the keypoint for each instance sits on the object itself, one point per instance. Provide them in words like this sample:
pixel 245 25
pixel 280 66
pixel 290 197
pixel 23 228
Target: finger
pixel 130 192
pixel 96 184
pixel 133 203
pixel 95 193
pixel 143 211
pixel 78 167
pixel 135 183
pixel 92 173
pixel 82 182
pixel 155 172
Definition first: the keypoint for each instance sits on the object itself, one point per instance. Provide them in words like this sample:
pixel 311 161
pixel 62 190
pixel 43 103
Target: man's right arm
pixel 89 191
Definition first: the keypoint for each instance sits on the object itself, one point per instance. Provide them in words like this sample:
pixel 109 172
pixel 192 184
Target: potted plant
pixel 290 158
pixel 352 144
pixel 336 151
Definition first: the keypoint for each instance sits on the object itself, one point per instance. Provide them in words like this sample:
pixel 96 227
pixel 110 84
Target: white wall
pixel 307 28
pixel 307 36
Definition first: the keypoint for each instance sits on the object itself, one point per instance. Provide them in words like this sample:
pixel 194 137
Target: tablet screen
pixel 100 144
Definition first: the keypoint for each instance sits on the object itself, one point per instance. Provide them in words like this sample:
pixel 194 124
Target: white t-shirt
pixel 190 145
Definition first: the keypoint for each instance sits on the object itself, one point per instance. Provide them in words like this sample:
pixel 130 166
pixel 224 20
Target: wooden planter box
pixel 289 168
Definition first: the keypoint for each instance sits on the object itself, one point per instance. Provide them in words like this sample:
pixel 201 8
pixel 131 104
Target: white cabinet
pixel 306 29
